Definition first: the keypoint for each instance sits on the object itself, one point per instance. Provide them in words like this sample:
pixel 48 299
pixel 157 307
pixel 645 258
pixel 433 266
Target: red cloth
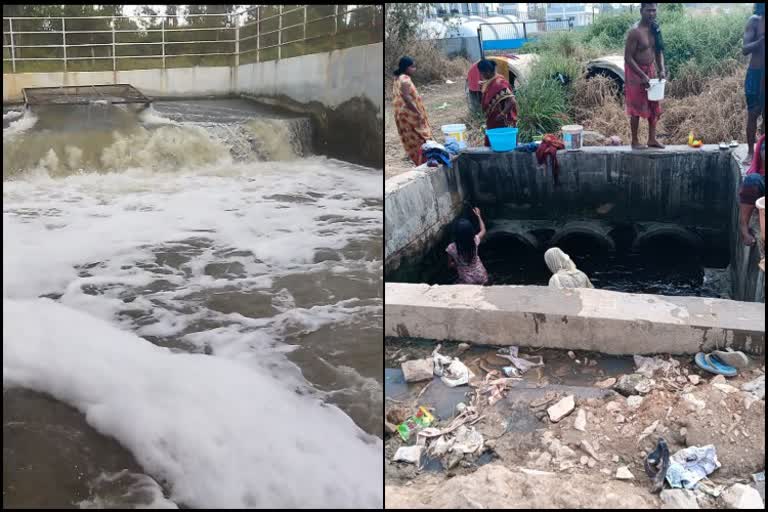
pixel 757 166
pixel 493 104
pixel 548 147
pixel 636 96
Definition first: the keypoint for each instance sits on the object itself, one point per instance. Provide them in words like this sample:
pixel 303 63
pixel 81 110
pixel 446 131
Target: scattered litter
pixel 463 347
pixel 418 421
pixel 450 82
pixel 707 486
pixel 734 358
pixel 510 371
pixel 759 477
pixel 623 473
pixel 633 384
pixel 467 440
pixel 605 384
pixel 742 496
pixel 522 364
pixel 417 370
pixel 450 370
pixel 410 454
pixel 646 366
pixel 571 354
pixel 561 409
pixel 495 386
pixel 690 465
pixel 615 140
pixel 443 106
pixel 657 465
pixel 756 387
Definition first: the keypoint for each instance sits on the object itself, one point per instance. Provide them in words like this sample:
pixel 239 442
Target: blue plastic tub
pixel 502 139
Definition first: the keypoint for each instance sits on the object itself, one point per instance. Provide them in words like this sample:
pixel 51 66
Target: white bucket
pixel 573 136
pixel 455 132
pixel 656 89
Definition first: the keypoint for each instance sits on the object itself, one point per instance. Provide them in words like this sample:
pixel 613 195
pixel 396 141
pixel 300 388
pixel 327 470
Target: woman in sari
pixel 410 115
pixel 499 105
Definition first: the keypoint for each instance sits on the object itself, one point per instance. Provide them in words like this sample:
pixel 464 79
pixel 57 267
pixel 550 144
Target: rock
pixel 620 418
pixel 718 379
pixel 418 369
pixel 605 384
pixel 463 347
pixel 605 471
pixel 615 458
pixel 580 423
pixel 389 427
pixel 410 454
pixel 561 409
pixel 565 453
pixel 544 459
pixel 742 496
pixel 634 401
pixel 612 406
pixel 583 460
pixel 589 449
pixel 571 354
pixel 694 403
pixel 695 379
pixel 591 462
pixel 678 498
pixel 627 384
pixel 645 386
pixel 725 388
pixel 756 387
pixel 623 473
pixel 397 414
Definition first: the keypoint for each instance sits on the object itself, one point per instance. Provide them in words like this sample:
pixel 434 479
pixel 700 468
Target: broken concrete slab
pixel 418 370
pixel 678 498
pixel 742 496
pixel 633 384
pixel 623 473
pixel 580 423
pixel 561 409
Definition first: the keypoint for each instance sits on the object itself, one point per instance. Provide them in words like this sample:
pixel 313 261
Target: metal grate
pixel 84 95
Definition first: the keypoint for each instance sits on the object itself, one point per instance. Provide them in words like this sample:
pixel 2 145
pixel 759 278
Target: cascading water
pixel 206 292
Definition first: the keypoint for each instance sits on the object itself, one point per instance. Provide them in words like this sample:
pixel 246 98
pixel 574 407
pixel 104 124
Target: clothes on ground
pixel 689 465
pixel 435 151
pixel 527 148
pixel 753 186
pixel 754 90
pixel 549 146
pixel 496 92
pixel 452 147
pixel 413 128
pixel 564 271
pixel 469 273
pixel 636 95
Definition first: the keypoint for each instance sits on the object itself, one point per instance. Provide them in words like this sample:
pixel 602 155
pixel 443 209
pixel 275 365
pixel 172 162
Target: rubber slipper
pixel 714 366
pixel 737 359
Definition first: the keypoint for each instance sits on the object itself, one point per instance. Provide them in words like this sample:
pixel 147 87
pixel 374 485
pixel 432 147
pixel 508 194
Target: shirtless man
pixel 754 85
pixel 643 55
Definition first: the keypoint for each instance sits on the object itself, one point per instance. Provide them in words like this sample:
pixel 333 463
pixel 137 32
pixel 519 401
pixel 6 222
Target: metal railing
pixel 273 34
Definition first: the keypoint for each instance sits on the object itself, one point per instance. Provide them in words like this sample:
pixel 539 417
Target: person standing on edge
pixel 754 84
pixel 643 55
pixel 499 105
pixel 410 115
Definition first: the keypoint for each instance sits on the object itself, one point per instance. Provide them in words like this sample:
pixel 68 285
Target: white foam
pixel 218 433
pixel 24 123
pixel 12 114
pixel 137 491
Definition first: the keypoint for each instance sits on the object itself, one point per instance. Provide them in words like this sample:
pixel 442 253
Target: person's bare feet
pixel 746 237
pixel 655 144
pixel 639 146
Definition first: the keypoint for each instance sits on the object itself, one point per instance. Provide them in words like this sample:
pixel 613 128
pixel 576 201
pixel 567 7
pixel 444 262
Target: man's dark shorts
pixel 754 90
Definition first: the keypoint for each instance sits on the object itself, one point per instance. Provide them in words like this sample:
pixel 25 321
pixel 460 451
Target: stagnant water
pixel 192 308
pixel 666 268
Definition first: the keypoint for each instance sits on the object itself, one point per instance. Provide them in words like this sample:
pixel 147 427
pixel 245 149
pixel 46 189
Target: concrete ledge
pixel 583 319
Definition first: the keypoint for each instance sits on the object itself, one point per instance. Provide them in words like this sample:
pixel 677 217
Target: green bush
pixel 610 30
pixel 541 104
pixel 551 65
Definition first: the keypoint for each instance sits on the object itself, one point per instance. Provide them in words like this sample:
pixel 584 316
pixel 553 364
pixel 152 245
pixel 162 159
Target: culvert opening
pixel 664 264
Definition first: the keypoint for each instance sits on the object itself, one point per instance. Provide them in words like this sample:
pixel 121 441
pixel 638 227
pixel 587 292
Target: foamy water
pixel 208 306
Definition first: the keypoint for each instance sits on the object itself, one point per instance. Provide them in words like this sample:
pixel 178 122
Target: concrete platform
pixel 581 319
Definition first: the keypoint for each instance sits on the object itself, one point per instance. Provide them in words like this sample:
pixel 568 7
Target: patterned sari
pixel 413 131
pixel 495 92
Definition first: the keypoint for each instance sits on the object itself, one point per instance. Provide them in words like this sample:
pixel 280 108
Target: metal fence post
pixel 114 54
pixel 13 49
pixel 305 24
pixel 162 46
pixel 279 32
pixel 258 34
pixel 64 42
pixel 237 42
pixel 335 19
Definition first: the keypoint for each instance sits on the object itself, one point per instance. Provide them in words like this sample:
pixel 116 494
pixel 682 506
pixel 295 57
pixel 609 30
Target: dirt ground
pixel 436 97
pixel 684 406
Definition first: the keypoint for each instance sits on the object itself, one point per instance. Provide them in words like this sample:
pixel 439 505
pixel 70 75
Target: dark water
pixel 665 269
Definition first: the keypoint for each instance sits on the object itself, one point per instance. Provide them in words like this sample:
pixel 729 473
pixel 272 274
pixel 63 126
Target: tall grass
pixel 541 108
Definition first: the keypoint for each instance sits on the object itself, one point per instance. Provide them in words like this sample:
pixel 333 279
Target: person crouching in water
pixel 463 255
pixel 564 271
pixel 499 105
